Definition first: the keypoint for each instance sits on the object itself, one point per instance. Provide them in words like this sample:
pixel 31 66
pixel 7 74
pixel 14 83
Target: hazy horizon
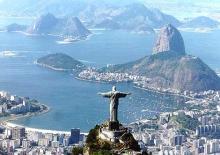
pixel 177 8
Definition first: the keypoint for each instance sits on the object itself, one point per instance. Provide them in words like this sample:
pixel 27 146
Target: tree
pixel 77 151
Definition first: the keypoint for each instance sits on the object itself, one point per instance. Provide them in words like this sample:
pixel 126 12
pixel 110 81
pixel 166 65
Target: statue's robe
pixel 114 101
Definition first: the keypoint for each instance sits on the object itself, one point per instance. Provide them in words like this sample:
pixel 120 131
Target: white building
pixel 4 94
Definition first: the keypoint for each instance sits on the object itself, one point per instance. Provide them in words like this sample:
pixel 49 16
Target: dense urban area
pixel 193 130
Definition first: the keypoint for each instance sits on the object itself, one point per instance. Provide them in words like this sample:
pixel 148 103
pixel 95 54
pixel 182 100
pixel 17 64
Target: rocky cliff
pixel 169 39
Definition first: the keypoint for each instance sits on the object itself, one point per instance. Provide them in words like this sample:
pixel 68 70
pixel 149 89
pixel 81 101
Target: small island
pixel 60 62
pixel 15 28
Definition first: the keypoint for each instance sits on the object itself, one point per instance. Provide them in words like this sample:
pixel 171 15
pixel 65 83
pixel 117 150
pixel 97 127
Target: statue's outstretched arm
pixel 121 94
pixel 108 94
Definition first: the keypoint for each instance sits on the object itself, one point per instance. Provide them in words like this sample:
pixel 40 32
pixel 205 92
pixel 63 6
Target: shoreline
pixel 92 81
pixel 44 110
pixel 135 86
pixel 6 122
pixel 30 129
pixel 50 67
pixel 161 92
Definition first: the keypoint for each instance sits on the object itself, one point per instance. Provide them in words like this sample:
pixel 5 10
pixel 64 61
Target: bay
pixel 75 103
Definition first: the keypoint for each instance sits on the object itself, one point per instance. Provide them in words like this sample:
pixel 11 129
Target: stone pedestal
pixel 112 126
pixel 112 136
pixel 112 132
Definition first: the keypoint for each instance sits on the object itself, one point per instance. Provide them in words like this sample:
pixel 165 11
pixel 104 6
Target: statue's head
pixel 114 88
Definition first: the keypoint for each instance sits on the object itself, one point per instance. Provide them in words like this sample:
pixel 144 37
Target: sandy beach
pixel 12 125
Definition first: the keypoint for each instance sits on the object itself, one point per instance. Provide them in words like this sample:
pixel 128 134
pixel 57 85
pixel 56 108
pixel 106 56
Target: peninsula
pixel 168 69
pixel 13 106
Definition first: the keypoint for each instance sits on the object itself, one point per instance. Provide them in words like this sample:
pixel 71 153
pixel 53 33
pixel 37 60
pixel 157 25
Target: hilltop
pixel 60 61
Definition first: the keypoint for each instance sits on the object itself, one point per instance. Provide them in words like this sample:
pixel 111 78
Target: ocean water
pixel 75 103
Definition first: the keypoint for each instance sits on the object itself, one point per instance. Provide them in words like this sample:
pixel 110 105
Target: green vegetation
pixel 77 151
pixel 130 142
pixel 186 121
pixel 96 146
pixel 60 61
pixel 102 152
pixel 171 70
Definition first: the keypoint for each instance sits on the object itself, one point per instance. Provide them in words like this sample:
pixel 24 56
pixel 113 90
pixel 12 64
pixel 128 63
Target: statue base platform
pixel 112 126
pixel 112 132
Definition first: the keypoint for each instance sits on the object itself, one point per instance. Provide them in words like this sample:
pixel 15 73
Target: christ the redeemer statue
pixel 114 96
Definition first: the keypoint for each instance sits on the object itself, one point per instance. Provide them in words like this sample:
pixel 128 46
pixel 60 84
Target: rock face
pixel 73 26
pixel 49 24
pixel 169 39
pixel 170 67
pixel 43 24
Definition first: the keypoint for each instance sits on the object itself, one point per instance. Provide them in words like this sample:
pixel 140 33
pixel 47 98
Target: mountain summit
pixel 169 39
pixel 43 24
pixel 49 24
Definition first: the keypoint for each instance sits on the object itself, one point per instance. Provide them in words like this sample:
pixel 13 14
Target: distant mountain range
pixel 128 17
pixel 134 17
pixel 200 22
pixel 169 67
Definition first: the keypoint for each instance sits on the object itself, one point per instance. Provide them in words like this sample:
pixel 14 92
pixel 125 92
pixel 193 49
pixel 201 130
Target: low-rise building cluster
pixel 91 74
pixel 192 131
pixel 12 104
pixel 22 141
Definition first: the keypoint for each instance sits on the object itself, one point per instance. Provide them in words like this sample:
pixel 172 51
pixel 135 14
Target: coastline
pixel 93 81
pixel 113 82
pixel 135 86
pixel 6 122
pixel 161 92
pixel 44 109
pixel 30 129
pixel 50 67
pixel 45 131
